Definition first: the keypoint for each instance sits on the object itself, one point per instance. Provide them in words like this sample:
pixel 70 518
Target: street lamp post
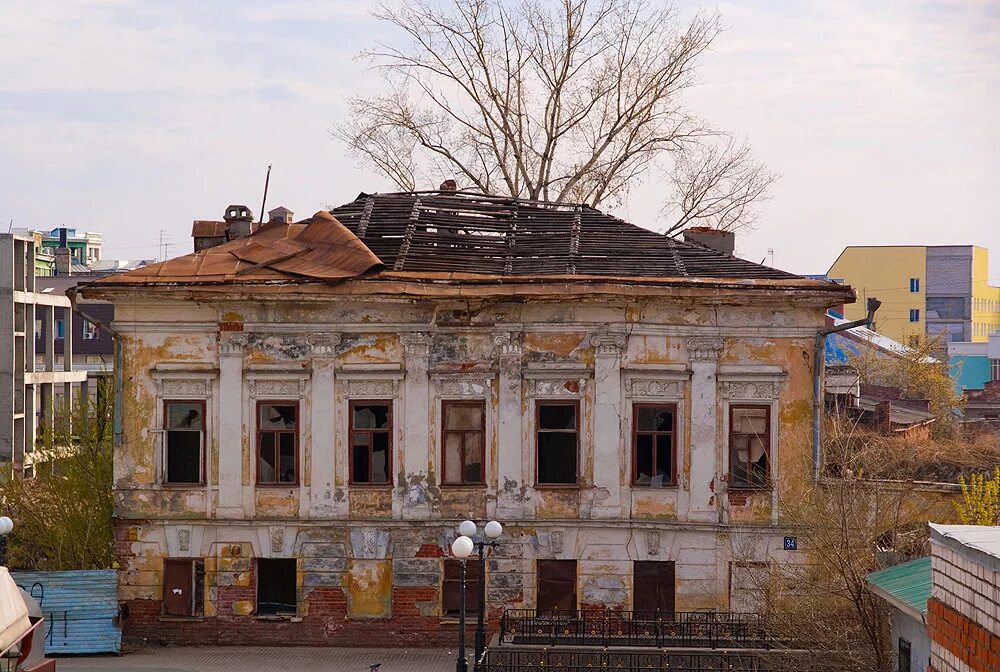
pixel 6 526
pixel 462 549
pixel 491 532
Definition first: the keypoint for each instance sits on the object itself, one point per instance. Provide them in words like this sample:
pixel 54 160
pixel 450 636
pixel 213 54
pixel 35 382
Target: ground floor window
pixel 451 587
pixel 183 587
pixel 276 592
pixel 556 586
pixel 905 664
pixel 653 587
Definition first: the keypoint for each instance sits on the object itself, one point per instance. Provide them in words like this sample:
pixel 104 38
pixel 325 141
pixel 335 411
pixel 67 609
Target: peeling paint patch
pixel 369 588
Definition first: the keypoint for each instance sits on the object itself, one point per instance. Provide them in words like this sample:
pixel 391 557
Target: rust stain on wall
pixel 369 588
pixel 371 502
pixel 558 503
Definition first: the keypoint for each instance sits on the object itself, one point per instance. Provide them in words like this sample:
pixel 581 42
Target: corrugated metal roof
pixel 906 585
pixel 80 609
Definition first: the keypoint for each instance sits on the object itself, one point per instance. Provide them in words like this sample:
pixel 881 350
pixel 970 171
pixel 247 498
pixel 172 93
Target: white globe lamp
pixel 461 548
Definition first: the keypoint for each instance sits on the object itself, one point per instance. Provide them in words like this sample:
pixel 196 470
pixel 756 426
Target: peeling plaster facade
pixel 370 558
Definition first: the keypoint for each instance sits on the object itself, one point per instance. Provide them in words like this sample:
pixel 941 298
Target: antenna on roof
pixel 267 181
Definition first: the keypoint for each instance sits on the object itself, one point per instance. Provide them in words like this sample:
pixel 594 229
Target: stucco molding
pixel 646 388
pixel 235 345
pixel 751 390
pixel 184 387
pixel 385 387
pixel 571 388
pixel 324 345
pixel 506 344
pixel 277 387
pixel 609 343
pixel 652 542
pixel 704 348
pixel 416 344
pixel 463 386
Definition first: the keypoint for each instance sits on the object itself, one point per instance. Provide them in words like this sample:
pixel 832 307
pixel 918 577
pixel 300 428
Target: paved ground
pixel 263 659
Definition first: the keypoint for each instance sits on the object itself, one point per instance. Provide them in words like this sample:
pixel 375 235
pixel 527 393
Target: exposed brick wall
pixel 963 639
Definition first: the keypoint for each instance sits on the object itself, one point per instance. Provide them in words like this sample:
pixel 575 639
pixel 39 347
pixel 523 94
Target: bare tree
pixel 554 100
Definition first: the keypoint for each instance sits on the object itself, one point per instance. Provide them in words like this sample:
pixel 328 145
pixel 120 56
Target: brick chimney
pixel 280 214
pixel 721 241
pixel 240 221
pixel 64 258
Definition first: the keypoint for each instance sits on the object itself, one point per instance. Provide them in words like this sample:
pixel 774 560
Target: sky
pixel 135 117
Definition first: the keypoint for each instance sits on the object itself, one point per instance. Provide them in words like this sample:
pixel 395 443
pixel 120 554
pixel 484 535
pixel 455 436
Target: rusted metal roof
pixel 208 229
pixel 472 233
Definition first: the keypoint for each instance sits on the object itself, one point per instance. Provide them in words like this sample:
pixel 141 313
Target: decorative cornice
pixel 506 344
pixel 324 345
pixel 609 343
pixel 704 348
pixel 767 389
pixel 416 344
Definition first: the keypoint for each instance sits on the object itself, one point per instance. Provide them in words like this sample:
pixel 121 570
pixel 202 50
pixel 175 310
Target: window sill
pixel 463 486
pixel 279 618
pixel 646 486
pixel 558 486
pixel 285 486
pixel 181 486
pixel 371 486
pixel 748 489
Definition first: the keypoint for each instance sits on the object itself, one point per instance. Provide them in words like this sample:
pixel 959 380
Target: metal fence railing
pixel 606 627
pixel 498 660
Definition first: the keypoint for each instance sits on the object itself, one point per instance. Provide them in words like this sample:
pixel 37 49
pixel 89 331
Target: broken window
pixel 556 437
pixel 184 433
pixel 276 593
pixel 556 586
pixel 451 587
pixel 749 446
pixel 371 442
pixel 653 588
pixel 653 445
pixel 183 587
pixel 463 435
pixel 277 442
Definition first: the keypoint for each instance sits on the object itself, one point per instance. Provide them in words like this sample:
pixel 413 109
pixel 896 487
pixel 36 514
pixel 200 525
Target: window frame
pixel 994 369
pixel 914 315
pixel 197 599
pixel 276 615
pixel 537 429
pixel 471 583
pixel 904 645
pixel 350 442
pixel 445 405
pixel 277 451
pixel 202 468
pixel 636 407
pixel 750 487
pixel 914 285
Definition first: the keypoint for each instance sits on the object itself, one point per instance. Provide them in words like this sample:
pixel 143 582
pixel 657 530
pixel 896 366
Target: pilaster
pixel 231 422
pixel 509 429
pixel 608 424
pixel 323 428
pixel 414 488
pixel 705 432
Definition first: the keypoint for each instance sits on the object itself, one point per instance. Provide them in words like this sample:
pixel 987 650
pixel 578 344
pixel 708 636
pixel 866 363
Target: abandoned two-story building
pixel 311 409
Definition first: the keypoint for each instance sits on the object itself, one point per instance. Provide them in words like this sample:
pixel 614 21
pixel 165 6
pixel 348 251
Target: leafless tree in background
pixel 553 100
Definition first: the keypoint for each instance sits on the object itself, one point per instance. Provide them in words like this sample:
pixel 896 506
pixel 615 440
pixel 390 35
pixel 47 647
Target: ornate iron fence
pixel 605 627
pixel 498 660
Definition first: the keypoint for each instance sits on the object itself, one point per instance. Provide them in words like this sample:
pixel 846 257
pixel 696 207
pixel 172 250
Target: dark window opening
pixel 371 442
pixel 905 662
pixel 451 587
pixel 276 593
pixel 653 455
pixel 184 441
pixel 654 588
pixel 183 587
pixel 556 438
pixel 277 443
pixel 556 586
pixel 749 446
pixel 463 435
pixel 914 314
pixel 914 285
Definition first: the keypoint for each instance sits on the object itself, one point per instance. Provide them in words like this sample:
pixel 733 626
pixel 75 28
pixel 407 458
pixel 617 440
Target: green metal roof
pixel 905 585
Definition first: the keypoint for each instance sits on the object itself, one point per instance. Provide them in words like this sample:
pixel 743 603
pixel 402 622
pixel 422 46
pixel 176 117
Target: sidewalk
pixel 263 659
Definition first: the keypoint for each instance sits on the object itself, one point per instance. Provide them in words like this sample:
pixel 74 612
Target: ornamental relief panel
pixel 656 388
pixel 464 387
pixel 371 388
pixel 751 390
pixel 561 387
pixel 281 387
pixel 184 387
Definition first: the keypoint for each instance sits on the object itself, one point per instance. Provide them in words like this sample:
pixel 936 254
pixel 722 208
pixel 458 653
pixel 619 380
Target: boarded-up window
pixel 277 442
pixel 276 593
pixel 184 441
pixel 653 462
pixel 749 446
pixel 371 442
pixel 183 587
pixel 556 440
pixel 451 587
pixel 653 588
pixel 556 586
pixel 463 435
pixel 748 583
